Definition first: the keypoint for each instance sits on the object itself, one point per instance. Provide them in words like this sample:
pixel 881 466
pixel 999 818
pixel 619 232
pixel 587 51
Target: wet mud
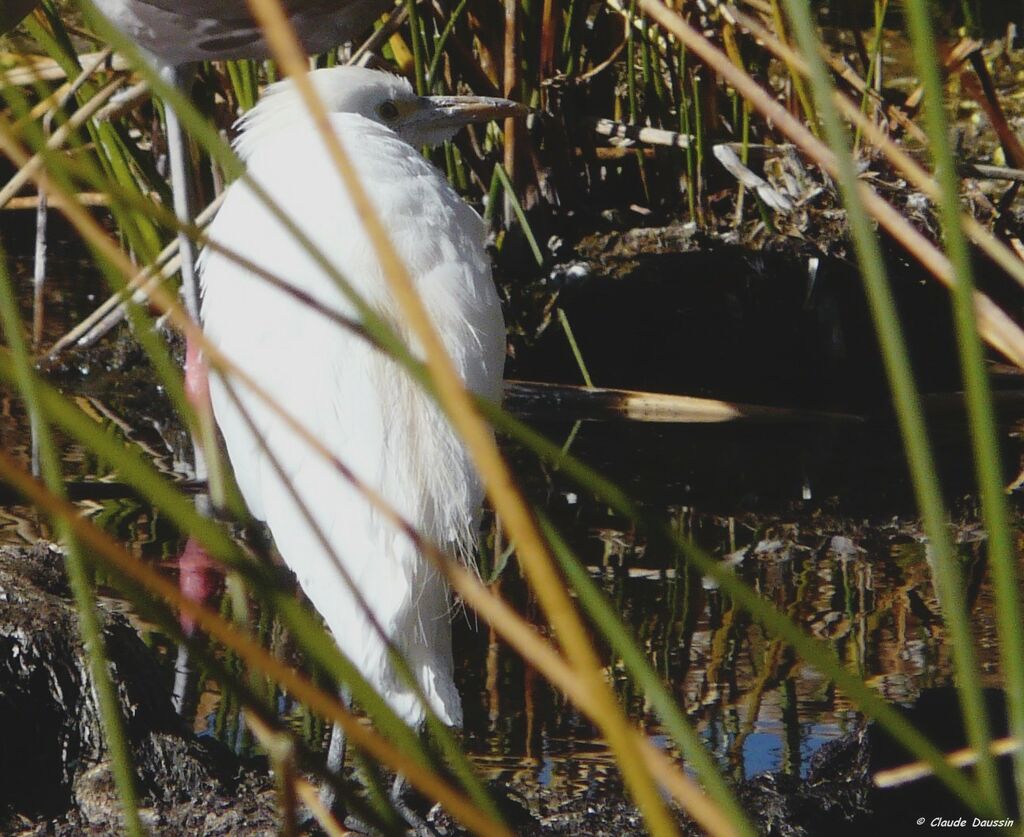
pixel 55 775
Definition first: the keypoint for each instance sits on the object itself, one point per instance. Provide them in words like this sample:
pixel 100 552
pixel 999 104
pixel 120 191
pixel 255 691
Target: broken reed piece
pixel 32 201
pixel 646 135
pixel 570 401
pixel 727 153
pixel 34 69
pixel 917 770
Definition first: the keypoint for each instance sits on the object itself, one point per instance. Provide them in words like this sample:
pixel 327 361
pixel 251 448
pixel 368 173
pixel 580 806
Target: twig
pixel 46 69
pixel 960 758
pixel 32 201
pixel 984 171
pixel 111 311
pixel 661 136
pixel 732 163
pixel 75 121
pixel 394 22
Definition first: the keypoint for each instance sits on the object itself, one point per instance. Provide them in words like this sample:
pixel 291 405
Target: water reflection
pixel 818 520
pixel 866 589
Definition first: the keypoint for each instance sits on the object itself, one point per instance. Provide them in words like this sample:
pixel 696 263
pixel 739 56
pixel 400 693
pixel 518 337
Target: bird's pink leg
pixel 197 378
pixel 199 576
pixel 199 579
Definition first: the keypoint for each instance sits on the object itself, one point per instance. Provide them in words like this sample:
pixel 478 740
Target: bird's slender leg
pixel 336 761
pixel 38 301
pixel 336 756
pixel 39 272
pixel 182 688
pixel 38 288
pixel 417 823
pixel 181 192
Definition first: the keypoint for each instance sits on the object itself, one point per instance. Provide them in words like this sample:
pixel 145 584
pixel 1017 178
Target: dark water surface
pixel 818 519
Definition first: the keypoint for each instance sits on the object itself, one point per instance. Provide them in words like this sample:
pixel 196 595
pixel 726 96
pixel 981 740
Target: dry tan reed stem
pixel 46 69
pixel 77 119
pixel 966 757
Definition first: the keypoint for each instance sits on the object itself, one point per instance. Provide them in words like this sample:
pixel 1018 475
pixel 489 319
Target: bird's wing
pixel 180 31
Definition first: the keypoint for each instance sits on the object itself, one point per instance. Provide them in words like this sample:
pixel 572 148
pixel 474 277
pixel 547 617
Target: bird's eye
pixel 388 110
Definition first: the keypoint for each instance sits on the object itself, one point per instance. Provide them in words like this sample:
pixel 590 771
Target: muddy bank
pixel 55 777
pixel 787 323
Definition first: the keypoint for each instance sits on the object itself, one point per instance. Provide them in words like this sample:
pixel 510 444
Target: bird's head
pixel 390 100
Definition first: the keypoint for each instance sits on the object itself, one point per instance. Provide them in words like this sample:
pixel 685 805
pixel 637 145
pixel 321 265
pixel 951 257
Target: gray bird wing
pixel 183 31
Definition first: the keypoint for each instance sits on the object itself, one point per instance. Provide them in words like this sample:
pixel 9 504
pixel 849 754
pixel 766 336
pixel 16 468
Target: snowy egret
pixel 362 405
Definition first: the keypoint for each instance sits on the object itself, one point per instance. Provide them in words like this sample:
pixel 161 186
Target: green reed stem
pixel 874 67
pixel 244 78
pixel 416 41
pixel 984 433
pixel 442 41
pixel 634 107
pixel 517 208
pixel 611 626
pixel 806 102
pixel 906 402
pixel 698 143
pixel 690 151
pixel 576 353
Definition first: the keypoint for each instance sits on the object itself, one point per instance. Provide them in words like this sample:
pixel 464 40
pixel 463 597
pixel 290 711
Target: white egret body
pixel 352 397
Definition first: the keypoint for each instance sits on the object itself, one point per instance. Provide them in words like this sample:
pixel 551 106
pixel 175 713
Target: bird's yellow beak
pixel 430 120
pixel 462 110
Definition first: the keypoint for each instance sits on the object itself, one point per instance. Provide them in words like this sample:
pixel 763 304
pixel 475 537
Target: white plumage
pixel 358 402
